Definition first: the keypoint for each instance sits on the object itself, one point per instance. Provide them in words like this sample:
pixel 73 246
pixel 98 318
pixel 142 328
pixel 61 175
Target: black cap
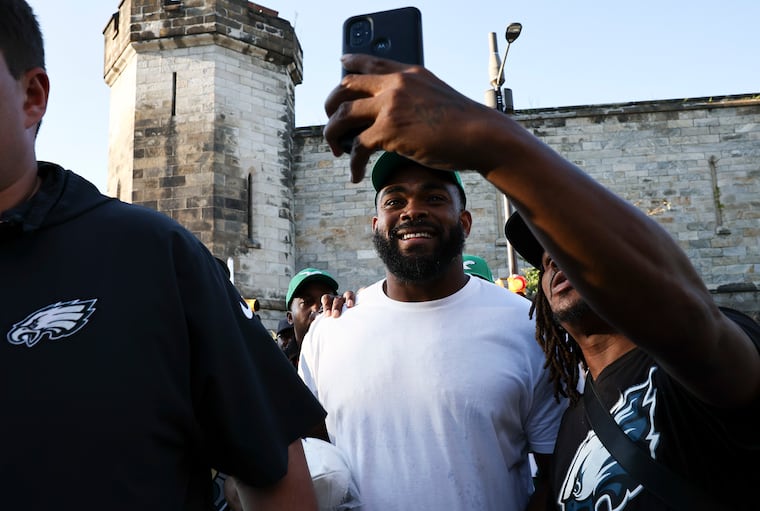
pixel 522 239
pixel 283 325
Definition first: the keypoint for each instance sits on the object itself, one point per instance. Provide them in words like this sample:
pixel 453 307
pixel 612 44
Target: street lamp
pixel 496 97
pixel 513 32
pixel 501 100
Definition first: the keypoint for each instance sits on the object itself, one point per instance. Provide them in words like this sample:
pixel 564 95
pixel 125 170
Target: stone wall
pixel 693 165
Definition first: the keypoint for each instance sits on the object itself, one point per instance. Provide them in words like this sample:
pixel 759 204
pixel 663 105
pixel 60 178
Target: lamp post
pixel 501 100
pixel 496 97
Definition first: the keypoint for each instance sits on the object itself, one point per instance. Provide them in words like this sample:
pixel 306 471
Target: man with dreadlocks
pixel 685 429
pixel 678 373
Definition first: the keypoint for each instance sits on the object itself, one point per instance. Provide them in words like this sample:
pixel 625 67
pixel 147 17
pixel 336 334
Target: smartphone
pixel 395 34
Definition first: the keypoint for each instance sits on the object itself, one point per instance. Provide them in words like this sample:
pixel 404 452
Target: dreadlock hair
pixel 563 355
pixel 20 37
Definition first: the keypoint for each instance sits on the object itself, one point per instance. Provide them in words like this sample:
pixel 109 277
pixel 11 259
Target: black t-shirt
pixel 716 449
pixel 129 364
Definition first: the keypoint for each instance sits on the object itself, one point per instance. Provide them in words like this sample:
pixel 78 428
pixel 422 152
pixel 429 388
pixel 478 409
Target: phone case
pixel 395 34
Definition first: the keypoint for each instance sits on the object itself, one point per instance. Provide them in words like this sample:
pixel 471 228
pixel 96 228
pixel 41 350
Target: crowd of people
pixel 134 369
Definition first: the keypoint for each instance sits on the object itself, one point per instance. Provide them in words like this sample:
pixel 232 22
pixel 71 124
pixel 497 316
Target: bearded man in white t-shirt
pixel 433 382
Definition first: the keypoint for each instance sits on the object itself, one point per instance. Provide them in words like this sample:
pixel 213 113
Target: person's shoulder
pixel 367 296
pixel 137 218
pixel 497 295
pixel 77 198
pixel 370 292
pixel 492 302
pixel 139 212
pixel 366 300
pixel 151 233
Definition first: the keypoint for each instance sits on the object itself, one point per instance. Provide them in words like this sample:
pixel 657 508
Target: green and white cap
pixel 389 162
pixel 307 275
pixel 477 266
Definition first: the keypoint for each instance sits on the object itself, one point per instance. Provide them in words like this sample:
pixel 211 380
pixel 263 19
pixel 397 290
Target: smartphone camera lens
pixel 359 33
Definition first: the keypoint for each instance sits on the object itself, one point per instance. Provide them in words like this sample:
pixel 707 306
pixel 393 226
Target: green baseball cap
pixel 477 266
pixel 307 275
pixel 389 162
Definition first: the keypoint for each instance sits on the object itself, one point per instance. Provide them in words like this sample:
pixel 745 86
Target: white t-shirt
pixel 436 404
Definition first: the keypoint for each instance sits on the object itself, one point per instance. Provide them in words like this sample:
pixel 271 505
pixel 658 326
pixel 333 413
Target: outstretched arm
pixel 624 264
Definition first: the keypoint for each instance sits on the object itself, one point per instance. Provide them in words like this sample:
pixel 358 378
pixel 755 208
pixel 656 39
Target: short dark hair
pixel 20 37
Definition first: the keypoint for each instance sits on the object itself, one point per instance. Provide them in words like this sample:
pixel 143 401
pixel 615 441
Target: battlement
pixel 245 27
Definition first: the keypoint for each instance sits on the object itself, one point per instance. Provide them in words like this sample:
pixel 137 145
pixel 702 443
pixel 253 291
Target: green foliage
pixel 531 276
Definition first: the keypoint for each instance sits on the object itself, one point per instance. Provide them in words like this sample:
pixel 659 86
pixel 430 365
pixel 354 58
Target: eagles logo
pixel 55 321
pixel 595 481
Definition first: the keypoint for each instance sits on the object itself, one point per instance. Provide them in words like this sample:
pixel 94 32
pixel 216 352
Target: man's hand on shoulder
pixel 332 305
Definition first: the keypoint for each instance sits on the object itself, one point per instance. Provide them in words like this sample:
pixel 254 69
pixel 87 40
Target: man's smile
pixel 407 236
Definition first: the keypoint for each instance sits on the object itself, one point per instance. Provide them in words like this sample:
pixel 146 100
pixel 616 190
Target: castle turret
pixel 201 128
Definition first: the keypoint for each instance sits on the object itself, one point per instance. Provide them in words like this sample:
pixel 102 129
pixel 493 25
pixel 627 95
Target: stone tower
pixel 201 128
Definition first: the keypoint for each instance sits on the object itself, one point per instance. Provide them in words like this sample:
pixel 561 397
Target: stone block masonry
pixel 202 129
pixel 202 124
pixel 692 165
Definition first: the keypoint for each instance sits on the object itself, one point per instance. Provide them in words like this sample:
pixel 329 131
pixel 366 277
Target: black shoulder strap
pixel 655 477
pixel 746 323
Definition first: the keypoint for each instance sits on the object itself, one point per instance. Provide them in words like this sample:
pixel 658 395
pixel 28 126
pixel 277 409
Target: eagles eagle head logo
pixel 55 321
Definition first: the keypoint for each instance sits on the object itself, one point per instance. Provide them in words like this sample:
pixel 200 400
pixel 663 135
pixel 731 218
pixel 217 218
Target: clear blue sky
pixel 575 52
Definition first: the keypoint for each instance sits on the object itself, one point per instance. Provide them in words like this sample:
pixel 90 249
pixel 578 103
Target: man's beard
pixel 572 314
pixel 418 268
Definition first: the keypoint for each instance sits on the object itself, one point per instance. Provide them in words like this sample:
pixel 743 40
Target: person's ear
pixel 289 315
pixel 466 219
pixel 374 223
pixel 36 88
